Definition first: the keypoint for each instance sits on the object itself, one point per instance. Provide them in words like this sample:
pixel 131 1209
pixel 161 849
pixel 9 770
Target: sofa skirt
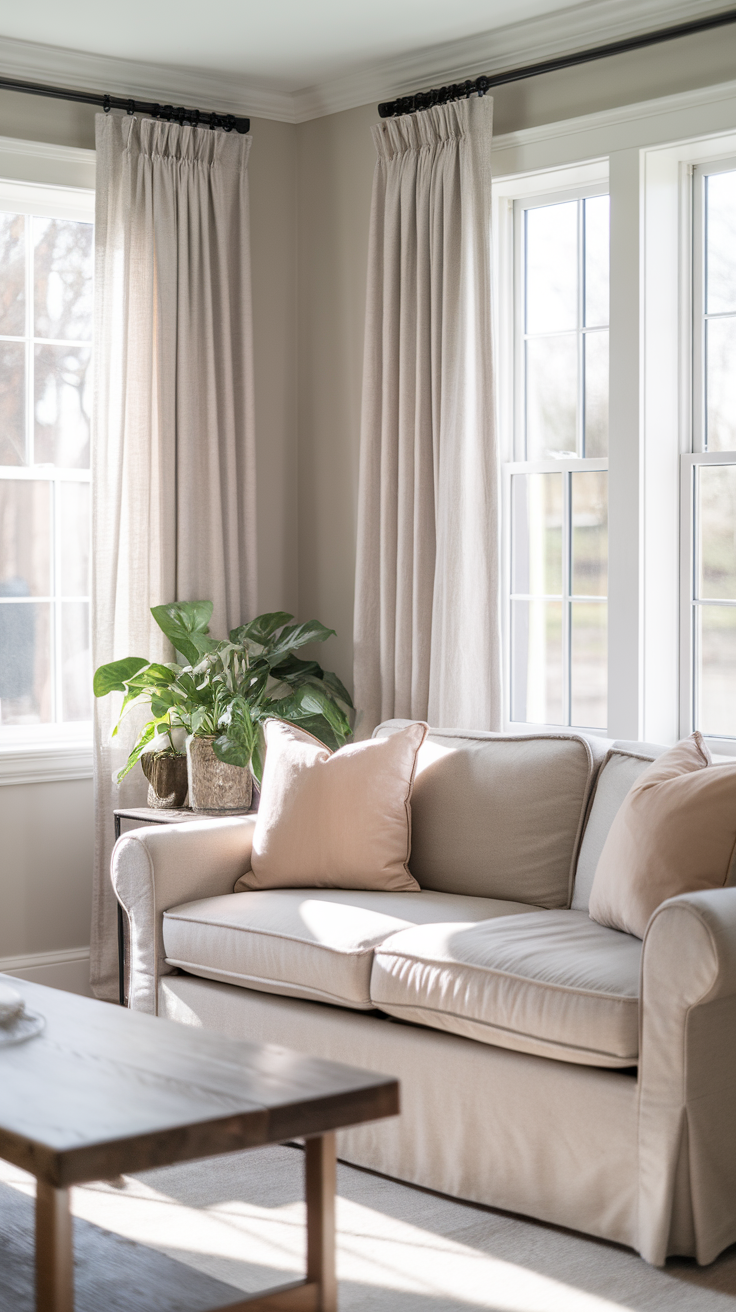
pixel 548 1139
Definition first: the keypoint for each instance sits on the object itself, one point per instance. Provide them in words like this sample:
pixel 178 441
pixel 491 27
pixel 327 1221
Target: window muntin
pixel 45 393
pixel 558 504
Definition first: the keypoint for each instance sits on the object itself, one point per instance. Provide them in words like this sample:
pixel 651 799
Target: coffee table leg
pixel 54 1259
pixel 321 1170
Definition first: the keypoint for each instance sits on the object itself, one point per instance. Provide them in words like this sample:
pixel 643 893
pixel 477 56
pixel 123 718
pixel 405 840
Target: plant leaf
pixel 335 686
pixel 180 620
pixel 145 736
pixel 113 677
pixel 319 728
pixel 310 702
pixel 293 670
pixel 297 635
pixel 230 751
pixel 261 628
pixel 153 676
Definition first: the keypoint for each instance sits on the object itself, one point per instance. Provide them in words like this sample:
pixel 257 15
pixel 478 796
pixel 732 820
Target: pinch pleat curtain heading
pixel 427 641
pixel 173 450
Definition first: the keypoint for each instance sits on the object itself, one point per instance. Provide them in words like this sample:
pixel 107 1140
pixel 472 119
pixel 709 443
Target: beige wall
pixel 335 173
pixel 46 866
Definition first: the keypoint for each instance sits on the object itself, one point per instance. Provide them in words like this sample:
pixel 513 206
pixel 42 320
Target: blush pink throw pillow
pixel 675 832
pixel 334 819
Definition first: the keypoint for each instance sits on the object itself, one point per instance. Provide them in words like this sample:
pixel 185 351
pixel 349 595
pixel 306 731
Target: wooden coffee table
pixel 103 1091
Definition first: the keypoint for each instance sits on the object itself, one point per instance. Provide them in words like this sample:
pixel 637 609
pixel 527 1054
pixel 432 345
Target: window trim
pixel 51 752
pixel 511 196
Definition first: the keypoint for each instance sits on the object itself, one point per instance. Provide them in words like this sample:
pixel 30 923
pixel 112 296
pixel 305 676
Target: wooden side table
pixel 151 815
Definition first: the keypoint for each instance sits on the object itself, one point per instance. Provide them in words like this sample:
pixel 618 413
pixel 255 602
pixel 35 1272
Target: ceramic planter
pixel 213 785
pixel 167 779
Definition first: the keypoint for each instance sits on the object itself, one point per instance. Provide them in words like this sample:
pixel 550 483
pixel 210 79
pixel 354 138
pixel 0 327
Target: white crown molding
pixel 571 28
pixel 45 763
pixel 593 23
pixel 194 88
pixel 31 960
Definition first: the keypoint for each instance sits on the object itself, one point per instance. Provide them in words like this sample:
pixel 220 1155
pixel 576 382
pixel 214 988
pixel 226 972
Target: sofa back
pixel 500 816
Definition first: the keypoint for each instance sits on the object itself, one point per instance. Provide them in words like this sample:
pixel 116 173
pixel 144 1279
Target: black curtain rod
pixel 479 85
pixel 169 113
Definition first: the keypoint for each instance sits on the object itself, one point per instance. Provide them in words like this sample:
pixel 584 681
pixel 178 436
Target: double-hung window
pixel 708 601
pixel 45 396
pixel 556 484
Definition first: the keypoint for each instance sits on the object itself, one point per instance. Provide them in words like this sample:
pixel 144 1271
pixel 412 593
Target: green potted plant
pixel 216 702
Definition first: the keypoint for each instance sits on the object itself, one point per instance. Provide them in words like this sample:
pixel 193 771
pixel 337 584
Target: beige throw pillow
pixel 675 832
pixel 334 819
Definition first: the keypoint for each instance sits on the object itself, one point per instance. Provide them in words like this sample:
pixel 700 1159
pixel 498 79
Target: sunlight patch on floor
pixel 236 1240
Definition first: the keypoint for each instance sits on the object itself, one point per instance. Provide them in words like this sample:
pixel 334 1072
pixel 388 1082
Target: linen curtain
pixel 173 451
pixel 426 617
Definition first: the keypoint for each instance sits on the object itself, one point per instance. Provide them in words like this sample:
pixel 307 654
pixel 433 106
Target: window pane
pixel 25 538
pixel 63 397
pixel 536 659
pixel 74 506
pixel 716 526
pixel 25 662
pixel 551 396
pixel 12 275
pixel 76 661
pixel 596 260
pixel 62 279
pixel 12 403
pixel 596 394
pixel 589 508
pixel 720 338
pixel 537 533
pixel 552 268
pixel 715 665
pixel 589 664
pixel 721 243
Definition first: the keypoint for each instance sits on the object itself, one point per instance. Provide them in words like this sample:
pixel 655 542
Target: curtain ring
pixel 131 107
pixel 106 104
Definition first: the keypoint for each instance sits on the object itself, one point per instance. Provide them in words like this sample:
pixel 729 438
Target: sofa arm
pixel 687 1077
pixel 162 866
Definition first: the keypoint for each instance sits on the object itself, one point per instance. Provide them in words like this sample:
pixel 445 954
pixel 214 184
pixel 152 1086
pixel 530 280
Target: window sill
pixel 45 762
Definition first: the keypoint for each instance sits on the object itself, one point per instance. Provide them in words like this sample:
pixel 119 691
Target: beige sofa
pixel 548 1066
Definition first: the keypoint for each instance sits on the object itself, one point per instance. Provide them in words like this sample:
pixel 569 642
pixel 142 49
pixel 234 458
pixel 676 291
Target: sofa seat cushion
pixel 306 943
pixel 551 983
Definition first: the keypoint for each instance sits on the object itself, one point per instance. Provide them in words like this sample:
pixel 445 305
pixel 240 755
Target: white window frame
pixel 693 332
pixel 43 178
pixel 512 197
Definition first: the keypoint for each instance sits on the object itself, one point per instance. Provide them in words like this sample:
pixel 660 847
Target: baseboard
pixel 67 969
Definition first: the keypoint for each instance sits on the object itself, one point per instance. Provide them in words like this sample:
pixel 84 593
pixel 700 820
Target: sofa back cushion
pixel 499 816
pixel 619 772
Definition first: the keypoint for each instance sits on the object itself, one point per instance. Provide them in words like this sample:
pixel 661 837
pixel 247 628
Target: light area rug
pixel 189 1237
